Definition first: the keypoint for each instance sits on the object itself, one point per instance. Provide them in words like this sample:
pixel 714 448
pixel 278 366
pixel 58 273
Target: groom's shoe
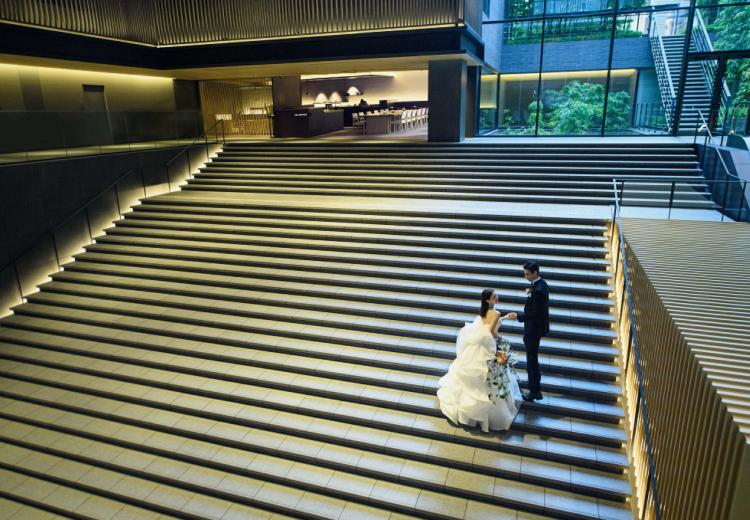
pixel 532 397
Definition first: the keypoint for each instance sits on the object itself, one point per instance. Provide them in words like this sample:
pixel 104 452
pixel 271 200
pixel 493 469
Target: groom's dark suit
pixel 535 319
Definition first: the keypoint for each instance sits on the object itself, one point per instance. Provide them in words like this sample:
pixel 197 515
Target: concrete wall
pixel 44 107
pixel 629 53
pixel 37 196
pixel 648 87
pixel 61 89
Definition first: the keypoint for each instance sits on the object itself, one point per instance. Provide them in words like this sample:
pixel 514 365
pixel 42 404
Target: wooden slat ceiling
pixel 701 271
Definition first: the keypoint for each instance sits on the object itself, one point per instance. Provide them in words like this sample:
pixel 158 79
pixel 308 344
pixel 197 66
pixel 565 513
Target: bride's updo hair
pixel 485 306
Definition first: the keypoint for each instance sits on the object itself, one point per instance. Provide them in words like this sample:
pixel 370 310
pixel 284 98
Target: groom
pixel 535 319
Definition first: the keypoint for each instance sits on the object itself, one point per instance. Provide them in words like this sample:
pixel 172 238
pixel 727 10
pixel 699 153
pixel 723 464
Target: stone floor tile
pixel 66 499
pixel 469 481
pixel 279 495
pixel 440 503
pixel 507 463
pixel 99 507
pixel 101 478
pixel 275 466
pixel 136 513
pixel 240 512
pixel 389 492
pixel 310 474
pixel 206 507
pixel 555 500
pixel 422 472
pixel 34 489
pixel 320 505
pixel 444 451
pixel 356 511
pixel 482 511
pixel 356 485
pixel 171 497
pixel 547 470
pixel 519 492
pixel 340 455
pixel 613 510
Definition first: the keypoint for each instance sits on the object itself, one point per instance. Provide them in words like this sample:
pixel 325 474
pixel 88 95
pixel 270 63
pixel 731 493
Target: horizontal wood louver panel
pixel 690 286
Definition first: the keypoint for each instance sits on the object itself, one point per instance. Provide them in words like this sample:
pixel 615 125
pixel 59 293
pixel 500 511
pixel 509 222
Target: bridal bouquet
pixel 500 371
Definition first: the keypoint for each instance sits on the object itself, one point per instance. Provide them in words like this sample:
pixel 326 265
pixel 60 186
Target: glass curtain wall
pixel 597 67
pixel 724 27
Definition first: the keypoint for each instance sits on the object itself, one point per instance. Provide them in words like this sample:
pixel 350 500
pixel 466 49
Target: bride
pixel 481 386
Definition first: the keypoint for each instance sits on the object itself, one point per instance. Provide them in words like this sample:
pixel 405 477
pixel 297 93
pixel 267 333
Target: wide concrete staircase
pixel 217 356
pixel 512 172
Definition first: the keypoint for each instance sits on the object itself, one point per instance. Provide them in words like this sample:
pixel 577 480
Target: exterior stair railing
pixel 661 65
pixel 702 41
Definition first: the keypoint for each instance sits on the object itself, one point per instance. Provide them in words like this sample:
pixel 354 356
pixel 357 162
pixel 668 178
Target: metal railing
pixel 185 152
pixel 735 120
pixel 49 238
pixel 664 78
pixel 726 195
pixel 637 419
pixel 734 186
pixel 650 116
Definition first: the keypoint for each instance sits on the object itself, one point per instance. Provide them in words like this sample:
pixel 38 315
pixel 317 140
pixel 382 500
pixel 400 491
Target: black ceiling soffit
pixel 30 41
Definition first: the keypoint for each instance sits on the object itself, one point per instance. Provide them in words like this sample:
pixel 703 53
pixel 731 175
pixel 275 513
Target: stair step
pixel 129 363
pixel 238 223
pixel 370 277
pixel 311 296
pixel 635 200
pixel 430 163
pixel 322 215
pixel 167 485
pixel 295 462
pixel 507 264
pixel 250 314
pixel 175 327
pixel 487 179
pixel 280 307
pixel 402 290
pixel 254 407
pixel 494 241
pixel 304 168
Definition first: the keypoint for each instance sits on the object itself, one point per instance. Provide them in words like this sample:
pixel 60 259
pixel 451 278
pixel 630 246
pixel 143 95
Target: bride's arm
pixel 496 319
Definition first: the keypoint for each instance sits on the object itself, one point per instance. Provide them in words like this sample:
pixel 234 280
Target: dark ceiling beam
pixel 30 41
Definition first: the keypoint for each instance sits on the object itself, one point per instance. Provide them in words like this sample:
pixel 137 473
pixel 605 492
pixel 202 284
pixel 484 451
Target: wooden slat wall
pixel 236 98
pixel 690 288
pixel 171 22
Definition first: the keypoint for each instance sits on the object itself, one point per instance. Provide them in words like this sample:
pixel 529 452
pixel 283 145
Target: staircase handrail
pixel 666 87
pixel 651 484
pixel 703 44
pixel 663 52
pixel 710 139
pixel 204 138
pixel 51 230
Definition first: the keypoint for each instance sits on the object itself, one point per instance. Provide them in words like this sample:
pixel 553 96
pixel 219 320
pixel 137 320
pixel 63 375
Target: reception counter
pixel 305 122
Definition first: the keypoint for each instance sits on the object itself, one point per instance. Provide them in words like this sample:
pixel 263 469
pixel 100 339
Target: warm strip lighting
pixel 578 74
pixel 91 75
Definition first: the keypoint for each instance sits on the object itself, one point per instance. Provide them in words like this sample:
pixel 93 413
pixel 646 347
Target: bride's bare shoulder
pixel 492 316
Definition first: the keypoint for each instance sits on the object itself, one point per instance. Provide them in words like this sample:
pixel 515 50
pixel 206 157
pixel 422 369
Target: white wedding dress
pixel 468 393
